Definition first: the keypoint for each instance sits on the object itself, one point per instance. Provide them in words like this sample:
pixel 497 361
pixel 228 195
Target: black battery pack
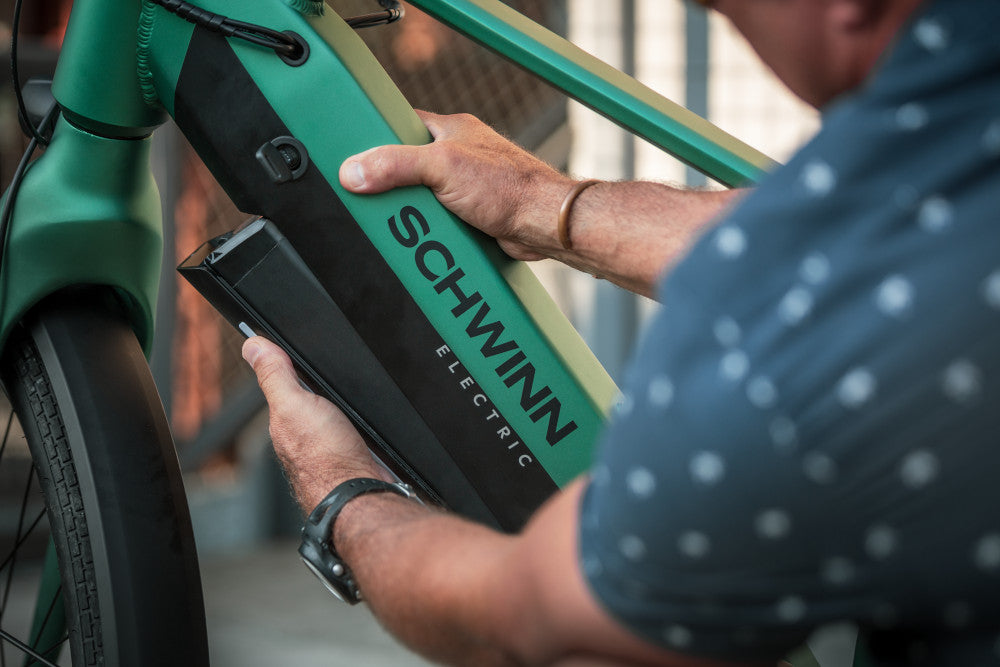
pixel 260 284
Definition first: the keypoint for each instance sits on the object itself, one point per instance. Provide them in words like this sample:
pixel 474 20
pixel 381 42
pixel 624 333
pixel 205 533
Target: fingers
pixel 274 371
pixel 386 167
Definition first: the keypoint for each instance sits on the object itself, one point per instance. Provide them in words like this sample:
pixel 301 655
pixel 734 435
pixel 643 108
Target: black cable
pixel 260 35
pixel 15 185
pixel 22 112
pixel 376 18
pixel 255 34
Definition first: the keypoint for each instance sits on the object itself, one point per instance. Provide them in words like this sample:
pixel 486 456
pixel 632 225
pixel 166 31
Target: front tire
pixel 104 458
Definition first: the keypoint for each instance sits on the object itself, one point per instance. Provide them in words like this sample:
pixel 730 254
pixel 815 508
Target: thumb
pixel 274 370
pixel 387 167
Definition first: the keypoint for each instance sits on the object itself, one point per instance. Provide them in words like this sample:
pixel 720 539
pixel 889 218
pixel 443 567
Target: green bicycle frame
pixel 88 211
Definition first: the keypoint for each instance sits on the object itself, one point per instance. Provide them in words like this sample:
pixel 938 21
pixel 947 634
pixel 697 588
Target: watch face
pixel 326 582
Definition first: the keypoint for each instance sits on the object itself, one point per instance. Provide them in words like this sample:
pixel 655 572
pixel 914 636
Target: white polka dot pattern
pixel 857 388
pixel 707 468
pixel 838 571
pixel 660 392
pixel 791 609
pixel 600 474
pixel 678 636
pixel 795 306
pixel 991 289
pixel 911 116
pixel 880 542
pixel 815 268
pixel 894 296
pixel 632 547
pixel 624 404
pixel 727 331
pixel 762 393
pixel 773 524
pixel 936 215
pixel 919 469
pixel 819 178
pixel 931 34
pixel 730 242
pixel 641 482
pixel 986 553
pixel 991 139
pixel 694 544
pixel 819 468
pixel 962 382
pixel 734 365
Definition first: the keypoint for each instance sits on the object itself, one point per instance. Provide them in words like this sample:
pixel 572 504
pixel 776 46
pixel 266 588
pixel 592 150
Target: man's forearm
pixel 463 594
pixel 426 576
pixel 627 232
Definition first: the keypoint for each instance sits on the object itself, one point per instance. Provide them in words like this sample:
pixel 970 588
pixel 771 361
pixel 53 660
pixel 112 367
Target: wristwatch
pixel 317 549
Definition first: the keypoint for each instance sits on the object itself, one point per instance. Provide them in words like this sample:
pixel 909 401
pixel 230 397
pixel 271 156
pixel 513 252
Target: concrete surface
pixel 265 610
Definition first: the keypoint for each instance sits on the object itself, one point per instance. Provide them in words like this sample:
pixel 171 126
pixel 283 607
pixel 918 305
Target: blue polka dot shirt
pixel 810 432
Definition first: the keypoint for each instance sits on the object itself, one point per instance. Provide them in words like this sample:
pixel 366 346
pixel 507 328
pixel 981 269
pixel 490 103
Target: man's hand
pixel 627 233
pixel 487 181
pixel 315 442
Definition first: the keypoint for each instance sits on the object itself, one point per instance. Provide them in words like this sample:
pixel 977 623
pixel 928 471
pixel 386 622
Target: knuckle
pixel 268 373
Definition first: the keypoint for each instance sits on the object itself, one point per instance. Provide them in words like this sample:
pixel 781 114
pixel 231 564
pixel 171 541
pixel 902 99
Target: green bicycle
pixel 81 244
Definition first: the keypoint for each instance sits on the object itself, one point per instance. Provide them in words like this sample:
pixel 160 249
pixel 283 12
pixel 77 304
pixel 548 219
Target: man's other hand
pixel 315 442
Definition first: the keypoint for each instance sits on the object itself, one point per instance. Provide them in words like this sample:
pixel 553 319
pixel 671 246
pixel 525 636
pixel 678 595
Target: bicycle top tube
pixel 610 92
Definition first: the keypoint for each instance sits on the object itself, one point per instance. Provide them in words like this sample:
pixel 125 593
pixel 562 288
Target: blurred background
pixel 263 607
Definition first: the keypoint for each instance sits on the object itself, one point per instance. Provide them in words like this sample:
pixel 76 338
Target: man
pixel 807 433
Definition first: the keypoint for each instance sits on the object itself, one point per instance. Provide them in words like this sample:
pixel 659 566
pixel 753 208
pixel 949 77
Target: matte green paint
pixel 603 88
pixel 88 212
pixel 96 81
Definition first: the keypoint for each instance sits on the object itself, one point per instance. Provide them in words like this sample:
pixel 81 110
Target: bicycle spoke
pixel 6 636
pixel 49 649
pixel 45 621
pixel 13 561
pixel 24 538
pixel 6 433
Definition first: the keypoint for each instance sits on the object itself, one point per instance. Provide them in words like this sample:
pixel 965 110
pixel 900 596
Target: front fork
pixel 87 213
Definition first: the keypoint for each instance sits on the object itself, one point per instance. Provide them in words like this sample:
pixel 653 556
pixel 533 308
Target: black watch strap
pixel 317 550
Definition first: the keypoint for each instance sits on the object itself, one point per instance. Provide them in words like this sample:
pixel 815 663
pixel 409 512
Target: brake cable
pixel 281 43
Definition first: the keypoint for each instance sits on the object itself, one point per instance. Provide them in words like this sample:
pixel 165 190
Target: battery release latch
pixel 283 158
